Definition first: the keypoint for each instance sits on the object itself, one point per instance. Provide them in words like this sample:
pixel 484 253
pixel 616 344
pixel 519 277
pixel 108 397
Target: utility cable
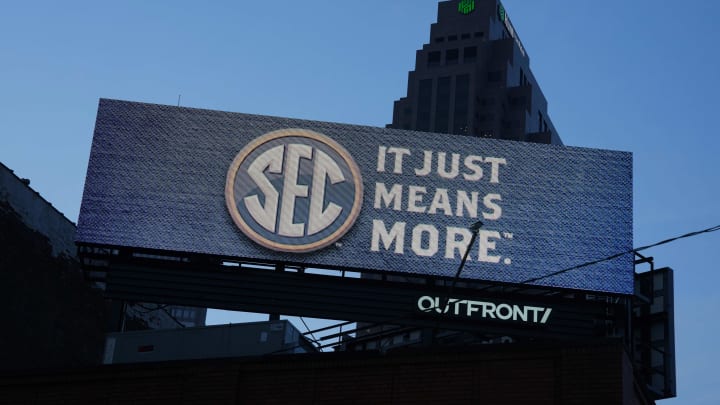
pixel 159 307
pixel 579 266
pixel 148 310
pixel 474 228
pixel 182 325
pixel 615 256
pixel 309 331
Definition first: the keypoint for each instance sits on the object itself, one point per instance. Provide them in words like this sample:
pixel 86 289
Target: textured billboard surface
pixel 343 196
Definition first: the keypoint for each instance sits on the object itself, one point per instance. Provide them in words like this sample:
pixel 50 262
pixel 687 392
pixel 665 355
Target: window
pixel 479 34
pixel 494 77
pixel 452 38
pixel 518 102
pixel 465 36
pixel 442 105
pixel 439 39
pixel 540 121
pixel 451 56
pixel 422 121
pixel 433 58
pixel 470 54
pixel 524 79
pixel 462 104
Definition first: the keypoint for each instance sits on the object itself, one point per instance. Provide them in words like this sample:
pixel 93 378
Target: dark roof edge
pixel 20 179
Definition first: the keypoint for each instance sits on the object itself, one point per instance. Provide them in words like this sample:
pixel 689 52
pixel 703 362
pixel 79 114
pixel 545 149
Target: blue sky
pixel 639 76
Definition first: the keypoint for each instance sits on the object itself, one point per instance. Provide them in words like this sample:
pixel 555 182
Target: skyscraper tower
pixel 474 79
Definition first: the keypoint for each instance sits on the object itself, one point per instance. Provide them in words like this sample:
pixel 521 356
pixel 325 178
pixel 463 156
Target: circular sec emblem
pixel 294 190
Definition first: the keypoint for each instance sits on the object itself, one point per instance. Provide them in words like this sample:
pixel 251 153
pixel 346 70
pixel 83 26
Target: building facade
pixel 574 374
pixel 52 306
pixel 189 316
pixel 473 78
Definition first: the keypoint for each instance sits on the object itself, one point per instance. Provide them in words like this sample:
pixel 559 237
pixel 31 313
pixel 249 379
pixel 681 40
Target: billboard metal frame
pixel 276 288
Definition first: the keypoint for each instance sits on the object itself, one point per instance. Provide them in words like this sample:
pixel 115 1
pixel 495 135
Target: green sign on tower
pixel 502 15
pixel 466 6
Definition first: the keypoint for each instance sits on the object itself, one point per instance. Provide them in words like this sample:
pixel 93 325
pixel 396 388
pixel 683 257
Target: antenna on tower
pixel 179 99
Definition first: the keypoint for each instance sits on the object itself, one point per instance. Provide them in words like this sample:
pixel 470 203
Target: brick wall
pixel 480 375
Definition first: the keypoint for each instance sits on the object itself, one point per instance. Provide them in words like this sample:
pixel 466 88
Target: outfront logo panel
pixel 294 190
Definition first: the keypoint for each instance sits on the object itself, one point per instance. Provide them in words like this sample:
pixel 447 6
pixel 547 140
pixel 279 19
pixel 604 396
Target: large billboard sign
pixel 339 196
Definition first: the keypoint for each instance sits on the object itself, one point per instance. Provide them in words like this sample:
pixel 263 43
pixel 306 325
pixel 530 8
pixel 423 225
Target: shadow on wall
pixel 51 318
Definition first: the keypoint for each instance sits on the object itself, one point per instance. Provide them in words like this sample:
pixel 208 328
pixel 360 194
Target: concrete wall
pixel 499 375
pixel 234 340
pixel 38 214
pixel 50 316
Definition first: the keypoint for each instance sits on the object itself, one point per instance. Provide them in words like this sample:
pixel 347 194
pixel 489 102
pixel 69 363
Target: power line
pixel 162 308
pixel 308 329
pixel 615 256
pixel 182 325
pixel 148 310
pixel 579 266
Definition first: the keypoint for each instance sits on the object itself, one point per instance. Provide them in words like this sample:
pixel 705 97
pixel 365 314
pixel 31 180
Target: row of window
pixel 484 117
pixel 183 313
pixel 523 79
pixel 451 38
pixel 443 96
pixel 495 76
pixel 387 342
pixel 452 56
pixel 542 124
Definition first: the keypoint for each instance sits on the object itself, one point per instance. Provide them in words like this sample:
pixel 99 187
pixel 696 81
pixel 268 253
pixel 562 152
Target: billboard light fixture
pixel 474 228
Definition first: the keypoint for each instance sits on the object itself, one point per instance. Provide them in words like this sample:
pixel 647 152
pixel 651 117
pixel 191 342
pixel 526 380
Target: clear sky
pixel 639 76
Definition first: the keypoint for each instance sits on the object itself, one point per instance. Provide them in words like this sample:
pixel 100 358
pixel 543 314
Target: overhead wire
pixel 615 256
pixel 535 279
pixel 309 331
pixel 160 307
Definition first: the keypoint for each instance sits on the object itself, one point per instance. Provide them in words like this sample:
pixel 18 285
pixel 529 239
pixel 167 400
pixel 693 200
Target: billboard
pixel 329 195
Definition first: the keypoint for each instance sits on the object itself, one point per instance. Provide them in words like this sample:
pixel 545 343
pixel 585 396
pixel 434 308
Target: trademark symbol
pixel 507 235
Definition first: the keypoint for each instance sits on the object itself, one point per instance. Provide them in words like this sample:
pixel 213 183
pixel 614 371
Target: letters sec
pixel 294 190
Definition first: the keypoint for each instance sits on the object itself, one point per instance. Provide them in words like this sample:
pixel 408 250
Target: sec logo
pixel 294 190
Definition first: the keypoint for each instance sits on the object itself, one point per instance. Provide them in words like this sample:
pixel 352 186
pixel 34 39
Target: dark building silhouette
pixel 474 78
pixel 51 317
pixel 574 374
pixel 55 318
